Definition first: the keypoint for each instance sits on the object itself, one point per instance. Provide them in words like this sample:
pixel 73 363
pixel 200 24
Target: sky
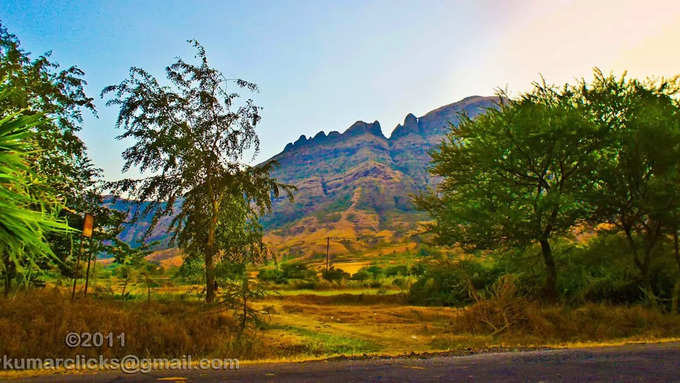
pixel 322 64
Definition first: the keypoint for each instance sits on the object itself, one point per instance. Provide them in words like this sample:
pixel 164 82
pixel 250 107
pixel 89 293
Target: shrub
pixel 393 271
pixel 599 270
pixel 417 269
pixel 297 271
pixel 272 275
pixel 288 272
pixel 304 284
pixel 401 283
pixel 334 275
pixel 361 275
pixel 374 270
pixel 449 284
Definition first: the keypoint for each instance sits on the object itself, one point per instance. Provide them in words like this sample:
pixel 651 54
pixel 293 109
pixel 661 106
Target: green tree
pixel 191 271
pixel 131 263
pixel 511 176
pixel 191 137
pixel 637 182
pixel 239 238
pixel 147 274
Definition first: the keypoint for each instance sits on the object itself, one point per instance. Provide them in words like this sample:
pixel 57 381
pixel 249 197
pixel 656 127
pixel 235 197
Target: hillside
pixel 354 186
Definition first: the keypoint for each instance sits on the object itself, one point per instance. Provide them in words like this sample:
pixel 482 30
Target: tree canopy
pixel 636 183
pixel 511 176
pixel 191 136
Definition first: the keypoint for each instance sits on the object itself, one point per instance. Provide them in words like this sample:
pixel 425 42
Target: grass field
pixel 305 324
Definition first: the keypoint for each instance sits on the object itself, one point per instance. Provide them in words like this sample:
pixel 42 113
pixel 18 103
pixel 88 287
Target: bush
pixel 427 251
pixel 449 284
pixel 297 271
pixel 272 275
pixel 417 270
pixel 334 275
pixel 361 275
pixel 374 271
pixel 304 284
pixel 192 271
pixel 229 270
pixel 401 283
pixel 288 272
pixel 599 270
pixel 393 271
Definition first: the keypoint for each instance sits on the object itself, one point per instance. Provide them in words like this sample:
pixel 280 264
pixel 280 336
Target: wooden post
pixel 88 223
pixel 87 274
pixel 76 272
pixel 94 270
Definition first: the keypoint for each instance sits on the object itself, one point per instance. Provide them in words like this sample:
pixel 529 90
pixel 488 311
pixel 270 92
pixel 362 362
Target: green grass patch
pixel 319 343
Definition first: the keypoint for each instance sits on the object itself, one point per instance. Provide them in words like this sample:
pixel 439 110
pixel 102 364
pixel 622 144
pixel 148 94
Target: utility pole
pixel 328 245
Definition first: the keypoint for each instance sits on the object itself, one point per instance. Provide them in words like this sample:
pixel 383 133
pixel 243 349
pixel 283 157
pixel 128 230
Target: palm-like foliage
pixel 27 212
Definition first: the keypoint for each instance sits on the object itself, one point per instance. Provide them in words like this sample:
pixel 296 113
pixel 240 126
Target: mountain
pixel 353 187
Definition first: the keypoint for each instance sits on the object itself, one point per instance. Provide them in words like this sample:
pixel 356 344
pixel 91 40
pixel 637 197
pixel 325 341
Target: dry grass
pixel 509 317
pixel 35 324
pixel 302 327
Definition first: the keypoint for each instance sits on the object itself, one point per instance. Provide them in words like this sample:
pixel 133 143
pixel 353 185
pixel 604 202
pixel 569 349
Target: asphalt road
pixel 629 363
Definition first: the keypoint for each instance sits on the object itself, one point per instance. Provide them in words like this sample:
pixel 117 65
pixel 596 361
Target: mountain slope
pixel 353 187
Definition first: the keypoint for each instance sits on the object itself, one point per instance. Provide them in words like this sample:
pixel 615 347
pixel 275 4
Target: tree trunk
pixel 641 264
pixel 210 253
pixel 676 288
pixel 550 289
pixel 650 246
pixel 244 292
pixel 10 271
pixel 209 277
pixel 677 247
pixel 644 271
pixel 87 274
pixel 8 283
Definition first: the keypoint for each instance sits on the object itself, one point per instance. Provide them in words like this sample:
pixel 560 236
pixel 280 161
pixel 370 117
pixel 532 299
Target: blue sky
pixel 322 65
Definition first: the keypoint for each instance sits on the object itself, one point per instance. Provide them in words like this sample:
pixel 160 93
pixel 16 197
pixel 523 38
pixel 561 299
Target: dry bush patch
pixel 510 317
pixel 34 324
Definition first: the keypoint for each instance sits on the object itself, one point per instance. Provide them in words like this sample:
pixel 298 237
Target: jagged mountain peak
pixel 433 123
pixel 410 125
pixel 361 127
pixel 356 129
